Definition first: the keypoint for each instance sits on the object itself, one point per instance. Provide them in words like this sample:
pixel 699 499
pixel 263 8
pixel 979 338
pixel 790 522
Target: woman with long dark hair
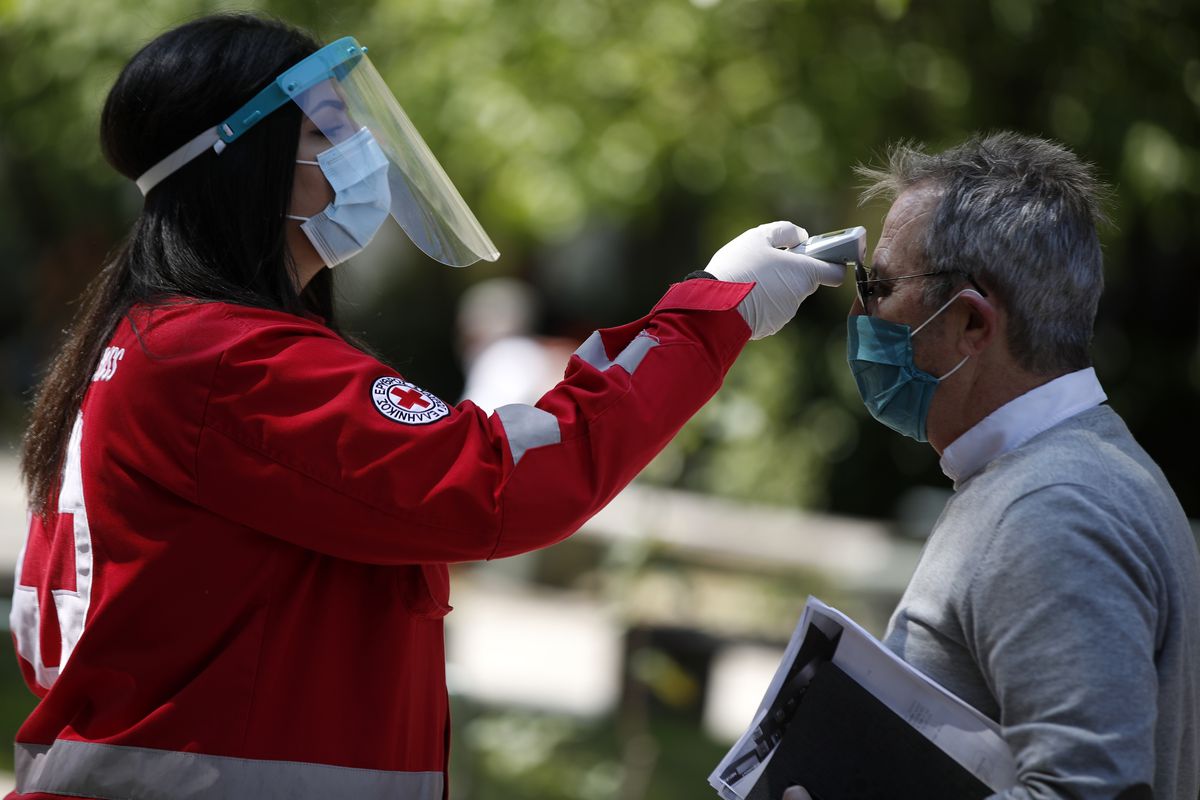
pixel 235 575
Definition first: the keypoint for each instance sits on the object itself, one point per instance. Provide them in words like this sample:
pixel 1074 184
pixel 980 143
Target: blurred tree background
pixel 610 146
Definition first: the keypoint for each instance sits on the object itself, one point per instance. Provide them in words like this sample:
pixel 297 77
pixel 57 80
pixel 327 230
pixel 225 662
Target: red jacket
pixel 241 592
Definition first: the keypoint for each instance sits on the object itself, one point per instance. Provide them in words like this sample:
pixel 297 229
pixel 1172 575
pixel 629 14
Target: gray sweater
pixel 1059 593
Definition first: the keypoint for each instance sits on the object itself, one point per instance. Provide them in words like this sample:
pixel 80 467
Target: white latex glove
pixel 783 279
pixel 796 793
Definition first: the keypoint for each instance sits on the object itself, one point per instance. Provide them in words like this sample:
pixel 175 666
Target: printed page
pixel 963 733
pixel 744 763
pixel 959 730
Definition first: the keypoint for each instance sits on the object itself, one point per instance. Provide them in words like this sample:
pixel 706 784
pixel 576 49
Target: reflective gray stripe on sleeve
pixel 527 427
pixel 113 772
pixel 592 351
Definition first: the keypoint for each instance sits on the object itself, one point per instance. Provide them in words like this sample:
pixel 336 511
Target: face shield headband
pixel 341 92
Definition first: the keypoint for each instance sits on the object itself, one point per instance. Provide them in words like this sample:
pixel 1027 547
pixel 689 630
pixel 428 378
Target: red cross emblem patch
pixel 399 400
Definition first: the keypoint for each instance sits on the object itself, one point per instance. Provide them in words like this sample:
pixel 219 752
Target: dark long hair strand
pixel 212 231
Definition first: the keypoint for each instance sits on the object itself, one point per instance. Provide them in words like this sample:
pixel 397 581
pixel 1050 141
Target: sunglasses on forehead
pixel 866 282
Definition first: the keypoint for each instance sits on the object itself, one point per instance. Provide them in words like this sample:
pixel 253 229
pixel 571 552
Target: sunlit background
pixel 609 147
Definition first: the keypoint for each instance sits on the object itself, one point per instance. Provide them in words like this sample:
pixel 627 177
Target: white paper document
pixel 825 634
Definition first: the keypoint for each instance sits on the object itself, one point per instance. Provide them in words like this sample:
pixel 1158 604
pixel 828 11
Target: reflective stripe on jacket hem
pixel 113 772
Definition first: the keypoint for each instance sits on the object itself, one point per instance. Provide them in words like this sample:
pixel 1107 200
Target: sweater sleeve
pixel 1061 613
pixel 309 440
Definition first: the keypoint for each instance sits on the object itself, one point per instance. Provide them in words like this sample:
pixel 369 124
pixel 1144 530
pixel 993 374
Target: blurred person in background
pixel 1059 592
pixel 235 573
pixel 503 361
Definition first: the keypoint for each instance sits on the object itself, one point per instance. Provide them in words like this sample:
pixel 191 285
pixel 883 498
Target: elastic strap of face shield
pixel 176 160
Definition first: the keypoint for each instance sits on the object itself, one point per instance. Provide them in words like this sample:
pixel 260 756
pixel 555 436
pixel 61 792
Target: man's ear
pixel 982 325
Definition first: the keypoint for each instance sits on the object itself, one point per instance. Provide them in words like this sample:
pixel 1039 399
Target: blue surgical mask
pixel 881 357
pixel 357 170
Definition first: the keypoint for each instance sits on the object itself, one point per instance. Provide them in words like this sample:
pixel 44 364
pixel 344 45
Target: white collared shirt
pixel 1019 420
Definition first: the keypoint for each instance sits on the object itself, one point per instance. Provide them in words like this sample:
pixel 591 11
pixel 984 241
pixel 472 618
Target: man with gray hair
pixel 1059 592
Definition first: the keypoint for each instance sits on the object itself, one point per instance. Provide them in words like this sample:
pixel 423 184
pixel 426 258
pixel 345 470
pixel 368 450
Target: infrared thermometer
pixel 847 246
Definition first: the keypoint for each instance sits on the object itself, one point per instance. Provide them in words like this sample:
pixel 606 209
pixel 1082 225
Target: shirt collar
pixel 1019 420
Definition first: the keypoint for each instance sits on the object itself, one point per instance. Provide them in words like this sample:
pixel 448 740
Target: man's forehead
pixel 904 224
pixel 915 200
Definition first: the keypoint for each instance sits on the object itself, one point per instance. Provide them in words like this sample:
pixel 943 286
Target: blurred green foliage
pixel 16 702
pixel 609 146
pixel 507 754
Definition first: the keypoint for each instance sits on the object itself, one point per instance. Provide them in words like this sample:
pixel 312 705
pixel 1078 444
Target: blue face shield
pixel 880 354
pixel 377 162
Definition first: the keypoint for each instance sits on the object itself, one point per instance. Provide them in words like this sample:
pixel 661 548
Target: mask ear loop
pixel 956 368
pixel 944 307
pixel 940 310
pixel 293 216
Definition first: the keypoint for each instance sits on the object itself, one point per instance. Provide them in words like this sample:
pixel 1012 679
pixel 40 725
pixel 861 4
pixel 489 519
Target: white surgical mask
pixel 358 172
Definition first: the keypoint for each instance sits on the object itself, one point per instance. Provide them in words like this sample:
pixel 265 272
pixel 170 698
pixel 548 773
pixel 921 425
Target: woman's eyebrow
pixel 333 103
